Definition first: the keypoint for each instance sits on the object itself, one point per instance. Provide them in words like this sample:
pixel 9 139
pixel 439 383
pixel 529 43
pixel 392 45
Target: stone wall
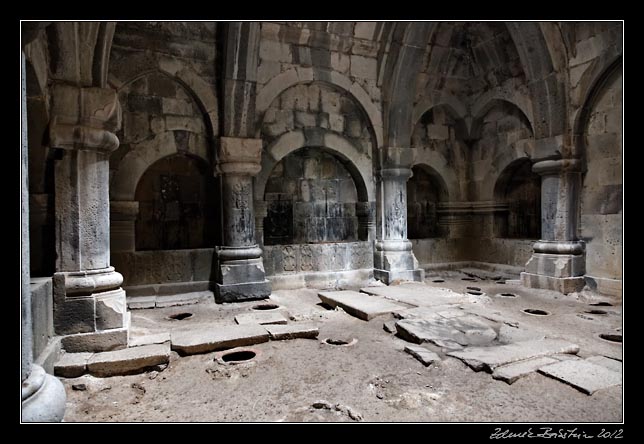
pixel 311 198
pixel 512 252
pixel 305 258
pixel 601 197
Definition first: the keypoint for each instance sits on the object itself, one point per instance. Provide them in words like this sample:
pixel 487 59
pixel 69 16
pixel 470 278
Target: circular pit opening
pixel 238 356
pixel 473 288
pixel 468 279
pixel 180 316
pixel 341 342
pixel 507 295
pixel 475 293
pixel 266 307
pixel 610 337
pixel 602 304
pixel 597 312
pixel 536 312
pixel 438 281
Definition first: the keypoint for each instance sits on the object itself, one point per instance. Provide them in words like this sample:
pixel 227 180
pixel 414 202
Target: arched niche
pixel 425 191
pixel 311 197
pixel 178 205
pixel 518 189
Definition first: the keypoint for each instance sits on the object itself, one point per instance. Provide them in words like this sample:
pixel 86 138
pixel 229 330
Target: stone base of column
pixel 562 285
pixel 248 291
pixel 241 279
pixel 43 397
pixel 90 310
pixel 560 272
pixel 390 266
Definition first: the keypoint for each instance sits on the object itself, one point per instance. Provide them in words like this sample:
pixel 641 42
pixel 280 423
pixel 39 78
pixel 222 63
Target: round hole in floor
pixel 475 293
pixel 238 356
pixel 536 312
pixel 266 307
pixel 596 312
pixel 500 282
pixel 468 279
pixel 180 316
pixel 473 288
pixel 508 295
pixel 341 342
pixel 610 337
pixel 602 304
pixel 438 281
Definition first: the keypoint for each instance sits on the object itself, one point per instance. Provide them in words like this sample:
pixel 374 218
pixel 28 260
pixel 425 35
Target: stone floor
pixel 532 368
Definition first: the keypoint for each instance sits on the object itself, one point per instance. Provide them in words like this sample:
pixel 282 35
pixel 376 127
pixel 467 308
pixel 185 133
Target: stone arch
pixel 358 164
pixel 133 67
pixel 136 162
pixel 486 103
pixel 457 108
pixel 437 164
pixel 280 83
pixel 591 84
pixel 426 190
pixel 521 217
pixel 549 106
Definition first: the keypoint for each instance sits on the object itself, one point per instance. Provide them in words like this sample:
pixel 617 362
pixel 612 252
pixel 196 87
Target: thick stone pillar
pixel 558 262
pixel 366 212
pixel 241 273
pixel 89 304
pixel 123 216
pixel 43 396
pixel 394 259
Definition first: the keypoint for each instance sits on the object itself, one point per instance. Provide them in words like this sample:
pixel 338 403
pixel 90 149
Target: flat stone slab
pixel 462 330
pixel 157 338
pixel 610 364
pixel 359 305
pixel 177 300
pixel 417 294
pixel 512 372
pixel 489 358
pixel 509 335
pixel 141 302
pixel 128 361
pixel 202 341
pixel 72 365
pixel 389 326
pixel 293 331
pixel 422 354
pixel 445 311
pixel 583 375
pixel 261 318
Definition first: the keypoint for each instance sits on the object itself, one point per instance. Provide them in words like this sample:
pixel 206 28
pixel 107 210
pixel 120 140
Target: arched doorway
pixel 520 189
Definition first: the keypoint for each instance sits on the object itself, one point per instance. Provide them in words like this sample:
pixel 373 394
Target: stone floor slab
pixel 489 358
pixel 610 364
pixel 425 356
pixel 72 365
pixel 512 372
pixel 509 335
pixel 128 361
pixel 359 305
pixel 463 330
pixel 417 294
pixel 191 342
pixel 292 331
pixel 157 338
pixel 583 375
pixel 261 318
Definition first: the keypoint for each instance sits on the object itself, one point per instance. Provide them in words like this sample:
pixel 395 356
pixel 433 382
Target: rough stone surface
pixel 610 364
pixel 260 318
pixel 464 330
pixel 128 361
pixel 72 365
pixel 583 375
pixel 158 338
pixel 489 358
pixel 512 372
pixel 425 356
pixel 292 331
pixel 358 304
pixel 508 334
pixel 416 294
pixel 114 339
pixel 202 341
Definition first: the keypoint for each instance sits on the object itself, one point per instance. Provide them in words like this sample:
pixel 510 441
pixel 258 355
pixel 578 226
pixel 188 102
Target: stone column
pixel 558 262
pixel 261 211
pixel 241 273
pixel 394 259
pixel 43 396
pixel 123 216
pixel 366 213
pixel 89 304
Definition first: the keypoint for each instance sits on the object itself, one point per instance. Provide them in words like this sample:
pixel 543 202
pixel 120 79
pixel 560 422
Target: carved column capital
pixel 239 156
pixel 84 118
pixel 554 167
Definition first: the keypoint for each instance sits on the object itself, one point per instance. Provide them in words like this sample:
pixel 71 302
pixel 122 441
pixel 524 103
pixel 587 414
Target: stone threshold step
pixel 113 363
pixel 360 305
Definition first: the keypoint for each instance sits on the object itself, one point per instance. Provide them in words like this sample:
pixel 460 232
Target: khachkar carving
pixel 558 262
pixel 241 270
pixel 393 258
pixel 288 258
pixel 306 258
pixel 89 304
